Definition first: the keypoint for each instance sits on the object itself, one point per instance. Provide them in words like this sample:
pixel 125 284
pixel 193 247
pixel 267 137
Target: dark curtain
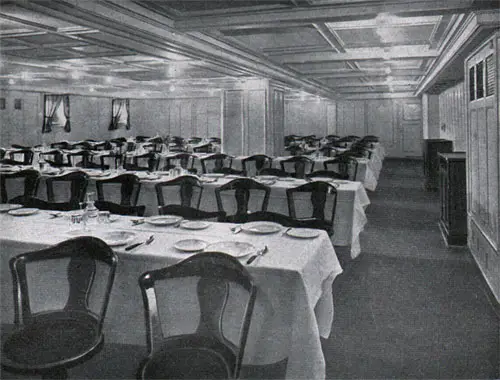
pixel 51 104
pixel 67 126
pixel 120 108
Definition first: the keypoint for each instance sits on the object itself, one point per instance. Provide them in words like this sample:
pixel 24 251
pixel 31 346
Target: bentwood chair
pixel 86 158
pixel 216 163
pixel 345 165
pixel 19 157
pixel 69 187
pixel 55 158
pixel 205 148
pixel 235 198
pixel 119 195
pixel 297 166
pixel 211 279
pixel 253 165
pixel 61 294
pixel 274 171
pixel 61 145
pixel 27 180
pixel 183 160
pixel 142 162
pixel 184 190
pixel 294 150
pixel 315 202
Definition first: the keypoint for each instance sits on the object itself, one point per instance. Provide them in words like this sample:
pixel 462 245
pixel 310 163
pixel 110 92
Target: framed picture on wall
pixel 18 104
pixel 2 103
pixel 412 111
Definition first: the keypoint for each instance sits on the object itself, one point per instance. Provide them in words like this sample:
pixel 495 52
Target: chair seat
pixel 52 339
pixel 190 357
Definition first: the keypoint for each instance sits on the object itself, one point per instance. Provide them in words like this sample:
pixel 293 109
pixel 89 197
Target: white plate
pixel 190 245
pixel 266 177
pixel 303 233
pixel 5 207
pixel 23 211
pixel 232 248
pixel 261 227
pixel 342 182
pixel 194 224
pixel 286 179
pixel 115 238
pixel 323 179
pixel 163 220
pixel 213 175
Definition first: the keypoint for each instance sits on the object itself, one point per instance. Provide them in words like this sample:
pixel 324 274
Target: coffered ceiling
pixel 155 48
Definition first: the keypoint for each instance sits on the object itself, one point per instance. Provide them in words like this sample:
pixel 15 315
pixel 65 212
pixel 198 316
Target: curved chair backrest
pixel 184 190
pixel 274 171
pixel 216 275
pixel 141 138
pixel 294 150
pixel 55 158
pixel 345 165
pixel 115 208
pixel 297 166
pixel 215 140
pixel 143 162
pixel 215 162
pixel 254 164
pixel 130 187
pixel 327 150
pixel 194 140
pixel 205 148
pixel 184 160
pixel 83 253
pixel 244 190
pixel 82 145
pixel 30 178
pixel 319 205
pixel 87 159
pixel 26 156
pixel 78 182
pixel 61 145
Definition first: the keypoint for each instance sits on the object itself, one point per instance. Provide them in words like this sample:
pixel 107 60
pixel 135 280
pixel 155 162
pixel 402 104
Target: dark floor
pixel 407 307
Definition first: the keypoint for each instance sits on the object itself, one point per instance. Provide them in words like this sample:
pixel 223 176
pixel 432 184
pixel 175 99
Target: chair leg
pixel 55 373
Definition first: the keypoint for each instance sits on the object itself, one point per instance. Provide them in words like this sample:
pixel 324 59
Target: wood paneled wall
pixel 90 118
pixel 483 164
pixel 453 116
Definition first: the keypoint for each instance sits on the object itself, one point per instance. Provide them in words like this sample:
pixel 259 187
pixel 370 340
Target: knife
pixel 149 241
pixel 259 253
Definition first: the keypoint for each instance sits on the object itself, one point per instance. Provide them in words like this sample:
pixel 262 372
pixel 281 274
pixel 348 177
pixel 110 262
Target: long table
pixel 294 304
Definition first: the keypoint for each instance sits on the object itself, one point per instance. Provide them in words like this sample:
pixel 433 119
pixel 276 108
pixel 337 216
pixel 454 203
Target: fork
pixel 262 252
pixel 147 242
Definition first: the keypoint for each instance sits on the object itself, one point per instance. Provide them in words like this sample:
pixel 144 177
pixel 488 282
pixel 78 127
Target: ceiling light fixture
pixel 12 81
pixel 388 70
pixel 171 88
pixel 76 74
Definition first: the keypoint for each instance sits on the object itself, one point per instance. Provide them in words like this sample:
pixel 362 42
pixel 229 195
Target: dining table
pixel 294 307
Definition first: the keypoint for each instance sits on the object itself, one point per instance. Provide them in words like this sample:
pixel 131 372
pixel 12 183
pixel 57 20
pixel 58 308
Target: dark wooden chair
pixel 327 174
pixel 215 140
pixel 61 145
pixel 274 171
pixel 56 206
pixel 142 162
pixel 19 157
pixel 184 190
pixel 129 189
pixel 294 150
pixel 77 182
pixel 207 352
pixel 242 191
pixel 194 140
pixel 86 158
pixel 205 148
pixel 284 220
pixel 55 158
pixel 216 163
pixel 191 213
pixel 85 145
pixel 141 138
pixel 314 201
pixel 345 165
pixel 51 340
pixel 297 166
pixel 30 179
pixel 327 150
pixel 253 165
pixel 184 160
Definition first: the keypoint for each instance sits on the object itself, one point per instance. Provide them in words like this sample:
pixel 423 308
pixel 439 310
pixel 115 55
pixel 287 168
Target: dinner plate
pixel 286 179
pixel 163 220
pixel 190 245
pixel 342 182
pixel 232 248
pixel 194 224
pixel 116 238
pixel 5 207
pixel 303 233
pixel 213 175
pixel 261 227
pixel 23 211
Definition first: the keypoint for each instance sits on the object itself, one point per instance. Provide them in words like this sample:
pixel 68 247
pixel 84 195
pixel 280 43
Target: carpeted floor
pixel 408 306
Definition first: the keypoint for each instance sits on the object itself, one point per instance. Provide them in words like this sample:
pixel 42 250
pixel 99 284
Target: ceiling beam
pixel 415 52
pixel 316 14
pixel 375 84
pixel 364 73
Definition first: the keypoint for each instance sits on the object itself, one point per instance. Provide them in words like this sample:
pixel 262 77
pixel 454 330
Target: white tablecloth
pixel 294 304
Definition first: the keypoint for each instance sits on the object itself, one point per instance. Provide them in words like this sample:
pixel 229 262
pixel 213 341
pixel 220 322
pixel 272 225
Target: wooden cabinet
pixel 453 196
pixel 431 149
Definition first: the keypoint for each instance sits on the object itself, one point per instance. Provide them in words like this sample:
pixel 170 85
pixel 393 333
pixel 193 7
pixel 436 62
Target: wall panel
pixel 452 116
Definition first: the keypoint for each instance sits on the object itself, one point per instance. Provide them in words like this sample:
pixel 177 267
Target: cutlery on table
pixel 284 232
pixel 147 242
pixel 261 252
pixel 136 222
pixel 54 215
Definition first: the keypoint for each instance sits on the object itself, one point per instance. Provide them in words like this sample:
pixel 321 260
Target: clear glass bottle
pixel 91 211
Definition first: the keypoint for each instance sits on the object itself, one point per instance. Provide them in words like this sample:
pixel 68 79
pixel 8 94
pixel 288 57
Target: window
pixel 120 114
pixel 56 113
pixel 490 76
pixel 472 83
pixel 479 80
